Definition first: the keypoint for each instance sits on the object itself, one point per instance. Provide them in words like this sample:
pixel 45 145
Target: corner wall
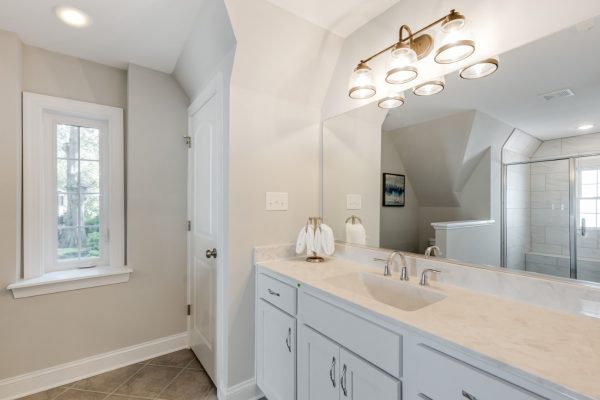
pixel 282 67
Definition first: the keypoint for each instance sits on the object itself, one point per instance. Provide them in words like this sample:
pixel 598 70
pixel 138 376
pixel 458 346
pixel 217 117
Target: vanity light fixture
pixel 455 44
pixel 72 16
pixel 430 88
pixel 585 127
pixel 480 69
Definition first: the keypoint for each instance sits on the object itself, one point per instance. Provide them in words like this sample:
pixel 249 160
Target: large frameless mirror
pixel 502 171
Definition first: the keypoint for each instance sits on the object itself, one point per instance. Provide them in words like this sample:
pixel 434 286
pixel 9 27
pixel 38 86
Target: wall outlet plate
pixel 353 201
pixel 276 201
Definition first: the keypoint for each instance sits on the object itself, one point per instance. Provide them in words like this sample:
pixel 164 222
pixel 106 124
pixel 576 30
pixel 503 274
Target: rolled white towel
pixel 355 233
pixel 327 240
pixel 301 241
pixel 310 241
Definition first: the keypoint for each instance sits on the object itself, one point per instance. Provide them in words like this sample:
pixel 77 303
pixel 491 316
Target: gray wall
pixel 43 331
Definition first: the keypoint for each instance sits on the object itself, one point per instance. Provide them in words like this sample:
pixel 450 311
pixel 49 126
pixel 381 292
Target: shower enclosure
pixel 551 217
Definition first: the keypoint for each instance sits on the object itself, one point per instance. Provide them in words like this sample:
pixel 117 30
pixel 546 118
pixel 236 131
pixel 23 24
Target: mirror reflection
pixel 502 171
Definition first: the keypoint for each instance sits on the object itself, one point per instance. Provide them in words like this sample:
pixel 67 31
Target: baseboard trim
pixel 37 381
pixel 247 390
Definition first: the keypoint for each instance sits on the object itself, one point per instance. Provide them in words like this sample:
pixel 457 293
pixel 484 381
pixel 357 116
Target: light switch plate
pixel 353 201
pixel 277 201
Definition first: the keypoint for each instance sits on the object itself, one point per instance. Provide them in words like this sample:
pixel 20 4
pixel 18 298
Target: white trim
pixel 62 281
pixel 460 224
pixel 215 88
pixel 62 374
pixel 37 155
pixel 247 390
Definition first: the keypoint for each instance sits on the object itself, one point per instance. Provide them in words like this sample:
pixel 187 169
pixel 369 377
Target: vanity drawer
pixel 441 377
pixel 277 293
pixel 375 344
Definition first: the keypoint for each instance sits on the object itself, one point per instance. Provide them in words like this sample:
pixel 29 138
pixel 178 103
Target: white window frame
pixel 40 114
pixel 580 197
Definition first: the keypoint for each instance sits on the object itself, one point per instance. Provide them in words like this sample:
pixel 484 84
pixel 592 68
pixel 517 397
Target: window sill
pixel 62 281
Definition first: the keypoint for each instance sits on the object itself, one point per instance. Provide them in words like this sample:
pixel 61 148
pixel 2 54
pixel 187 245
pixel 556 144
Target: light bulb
pixel 72 16
pixel 362 85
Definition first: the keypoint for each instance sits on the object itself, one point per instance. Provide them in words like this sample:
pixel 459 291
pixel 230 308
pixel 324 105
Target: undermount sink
pixel 388 290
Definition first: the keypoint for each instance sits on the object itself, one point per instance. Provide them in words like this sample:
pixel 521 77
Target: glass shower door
pixel 537 207
pixel 587 218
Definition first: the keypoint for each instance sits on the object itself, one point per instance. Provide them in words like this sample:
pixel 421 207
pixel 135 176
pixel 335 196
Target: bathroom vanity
pixel 343 330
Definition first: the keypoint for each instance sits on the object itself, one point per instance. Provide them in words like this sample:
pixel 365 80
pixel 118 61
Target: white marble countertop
pixel 563 350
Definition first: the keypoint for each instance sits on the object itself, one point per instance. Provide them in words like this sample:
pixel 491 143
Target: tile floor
pixel 174 376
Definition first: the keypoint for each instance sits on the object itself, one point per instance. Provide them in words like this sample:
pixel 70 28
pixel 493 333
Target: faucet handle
pixel 379 259
pixel 386 268
pixel 404 273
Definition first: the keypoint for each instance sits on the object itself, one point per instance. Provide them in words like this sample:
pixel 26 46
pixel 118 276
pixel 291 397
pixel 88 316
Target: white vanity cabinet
pixel 327 371
pixel 276 339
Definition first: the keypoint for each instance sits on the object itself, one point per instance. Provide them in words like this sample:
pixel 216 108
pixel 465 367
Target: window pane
pixel 68 243
pixel 90 177
pixel 91 210
pixel 67 176
pixel 590 220
pixel 588 190
pixel 587 206
pixel 67 138
pixel 90 143
pixel 589 176
pixel 68 209
pixel 90 242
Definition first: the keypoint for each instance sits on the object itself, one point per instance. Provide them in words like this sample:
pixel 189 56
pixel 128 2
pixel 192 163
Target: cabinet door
pixel 360 380
pixel 276 353
pixel 318 366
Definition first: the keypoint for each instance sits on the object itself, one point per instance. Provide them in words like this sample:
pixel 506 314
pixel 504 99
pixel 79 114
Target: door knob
pixel 211 253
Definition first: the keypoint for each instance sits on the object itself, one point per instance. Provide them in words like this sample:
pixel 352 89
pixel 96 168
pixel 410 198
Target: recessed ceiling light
pixel 72 16
pixel 585 127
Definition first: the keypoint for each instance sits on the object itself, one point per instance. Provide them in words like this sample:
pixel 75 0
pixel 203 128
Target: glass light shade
pixel 454 51
pixel 480 69
pixel 400 69
pixel 392 100
pixel 430 88
pixel 454 23
pixel 362 85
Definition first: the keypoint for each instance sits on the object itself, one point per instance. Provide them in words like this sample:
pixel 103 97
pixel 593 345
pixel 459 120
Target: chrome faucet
pixel 433 251
pixel 423 280
pixel 388 262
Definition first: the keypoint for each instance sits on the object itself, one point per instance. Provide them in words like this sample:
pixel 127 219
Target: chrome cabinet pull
pixel 468 395
pixel 288 340
pixel 332 372
pixel 343 381
pixel 273 293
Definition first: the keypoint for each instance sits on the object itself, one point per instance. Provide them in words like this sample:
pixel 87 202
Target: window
pixel 73 185
pixel 588 194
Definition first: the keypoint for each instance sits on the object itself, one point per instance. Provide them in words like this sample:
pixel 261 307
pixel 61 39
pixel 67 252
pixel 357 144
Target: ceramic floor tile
pixel 50 394
pixel 195 364
pixel 74 394
pixel 179 358
pixel 108 381
pixel 149 381
pixel 190 385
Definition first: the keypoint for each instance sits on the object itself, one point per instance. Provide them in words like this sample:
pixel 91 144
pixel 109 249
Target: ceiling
pixel 567 59
pixel 341 17
pixel 150 33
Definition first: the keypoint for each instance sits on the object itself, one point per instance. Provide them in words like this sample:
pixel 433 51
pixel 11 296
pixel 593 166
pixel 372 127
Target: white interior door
pixel 205 194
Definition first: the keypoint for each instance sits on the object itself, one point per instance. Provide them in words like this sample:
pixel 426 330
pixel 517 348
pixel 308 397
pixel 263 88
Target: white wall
pixel 43 331
pixel 352 165
pixel 281 71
